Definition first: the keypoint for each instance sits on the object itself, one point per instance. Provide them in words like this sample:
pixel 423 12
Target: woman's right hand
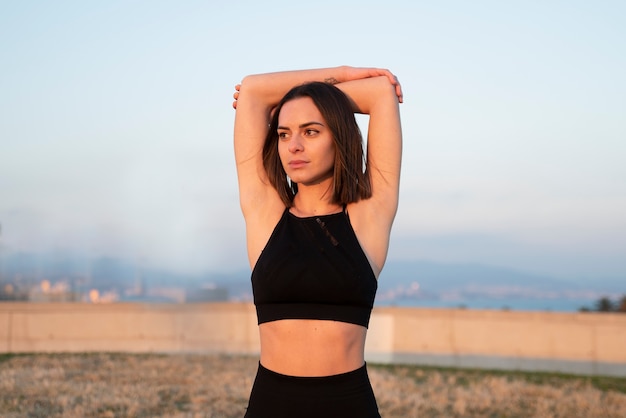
pixel 358 73
pixel 236 95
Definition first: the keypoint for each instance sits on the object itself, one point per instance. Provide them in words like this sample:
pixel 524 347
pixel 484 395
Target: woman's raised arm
pixel 372 218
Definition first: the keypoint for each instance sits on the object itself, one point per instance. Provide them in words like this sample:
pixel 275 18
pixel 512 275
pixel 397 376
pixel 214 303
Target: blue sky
pixel 116 125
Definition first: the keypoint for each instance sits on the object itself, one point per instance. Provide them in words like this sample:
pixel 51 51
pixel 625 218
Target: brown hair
pixel 351 179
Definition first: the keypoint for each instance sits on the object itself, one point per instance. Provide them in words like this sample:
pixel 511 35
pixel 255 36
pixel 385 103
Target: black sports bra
pixel 314 268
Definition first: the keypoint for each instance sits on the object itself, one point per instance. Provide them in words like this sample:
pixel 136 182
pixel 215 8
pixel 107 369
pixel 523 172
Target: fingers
pixel 236 95
pixel 398 87
pixel 375 72
pixel 394 82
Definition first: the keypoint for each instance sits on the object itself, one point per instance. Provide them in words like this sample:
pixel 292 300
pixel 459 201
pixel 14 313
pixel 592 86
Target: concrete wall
pixel 583 343
pixel 586 343
pixel 78 327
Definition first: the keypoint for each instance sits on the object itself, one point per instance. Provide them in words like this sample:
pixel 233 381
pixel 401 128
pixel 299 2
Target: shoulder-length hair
pixel 351 178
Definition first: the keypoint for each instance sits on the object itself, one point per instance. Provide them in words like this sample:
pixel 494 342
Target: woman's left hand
pixel 358 73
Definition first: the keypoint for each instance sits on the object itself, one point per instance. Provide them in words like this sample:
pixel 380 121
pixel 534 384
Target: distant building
pixel 10 293
pixel 46 292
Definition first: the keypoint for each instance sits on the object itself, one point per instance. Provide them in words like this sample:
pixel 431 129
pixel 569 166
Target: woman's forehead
pixel 298 111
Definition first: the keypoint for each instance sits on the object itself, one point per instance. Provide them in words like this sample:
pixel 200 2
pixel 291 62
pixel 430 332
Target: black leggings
pixel 276 395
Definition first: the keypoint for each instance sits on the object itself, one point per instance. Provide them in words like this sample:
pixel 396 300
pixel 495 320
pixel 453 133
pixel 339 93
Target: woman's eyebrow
pixel 304 125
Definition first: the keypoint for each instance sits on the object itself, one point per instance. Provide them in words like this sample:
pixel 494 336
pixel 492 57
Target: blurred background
pixel 117 177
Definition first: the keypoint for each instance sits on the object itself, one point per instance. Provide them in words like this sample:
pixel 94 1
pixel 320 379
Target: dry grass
pixel 152 385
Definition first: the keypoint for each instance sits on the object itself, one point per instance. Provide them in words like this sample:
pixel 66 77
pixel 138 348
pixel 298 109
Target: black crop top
pixel 314 268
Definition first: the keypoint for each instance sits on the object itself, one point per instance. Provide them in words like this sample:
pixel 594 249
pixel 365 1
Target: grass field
pixel 153 385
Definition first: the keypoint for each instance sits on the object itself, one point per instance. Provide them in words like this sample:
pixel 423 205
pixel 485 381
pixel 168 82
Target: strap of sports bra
pixel 345 211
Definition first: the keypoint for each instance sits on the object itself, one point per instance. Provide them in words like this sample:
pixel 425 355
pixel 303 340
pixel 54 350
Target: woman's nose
pixel 295 144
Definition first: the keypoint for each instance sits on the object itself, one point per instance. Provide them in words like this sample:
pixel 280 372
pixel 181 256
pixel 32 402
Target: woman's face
pixel 305 143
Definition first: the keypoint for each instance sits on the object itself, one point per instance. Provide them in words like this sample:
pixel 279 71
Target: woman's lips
pixel 297 163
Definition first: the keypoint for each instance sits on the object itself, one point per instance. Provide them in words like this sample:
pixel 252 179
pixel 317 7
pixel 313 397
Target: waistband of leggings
pixel 331 378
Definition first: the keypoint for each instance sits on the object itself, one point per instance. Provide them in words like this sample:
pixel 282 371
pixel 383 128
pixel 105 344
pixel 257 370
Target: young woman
pixel 318 217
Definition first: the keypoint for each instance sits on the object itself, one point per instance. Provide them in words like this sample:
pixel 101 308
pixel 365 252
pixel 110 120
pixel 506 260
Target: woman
pixel 317 225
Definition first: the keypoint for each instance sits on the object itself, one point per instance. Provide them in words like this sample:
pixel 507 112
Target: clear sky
pixel 116 125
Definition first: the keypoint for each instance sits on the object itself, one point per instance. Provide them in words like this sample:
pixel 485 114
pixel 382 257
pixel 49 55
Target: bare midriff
pixel 310 347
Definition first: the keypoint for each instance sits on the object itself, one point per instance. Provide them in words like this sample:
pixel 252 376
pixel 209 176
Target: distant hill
pixel 439 276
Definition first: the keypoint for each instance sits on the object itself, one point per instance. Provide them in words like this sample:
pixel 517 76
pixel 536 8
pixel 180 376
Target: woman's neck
pixel 313 200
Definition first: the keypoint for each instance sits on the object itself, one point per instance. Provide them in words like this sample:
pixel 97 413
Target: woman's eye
pixel 310 132
pixel 282 135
